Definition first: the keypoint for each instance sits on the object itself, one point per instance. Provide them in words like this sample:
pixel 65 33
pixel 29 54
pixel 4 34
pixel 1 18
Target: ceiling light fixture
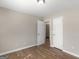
pixel 41 1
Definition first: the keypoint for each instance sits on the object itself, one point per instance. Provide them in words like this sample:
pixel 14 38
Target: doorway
pixel 47 41
pixel 43 33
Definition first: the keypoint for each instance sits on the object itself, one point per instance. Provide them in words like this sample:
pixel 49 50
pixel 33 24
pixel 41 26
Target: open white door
pixel 58 32
pixel 41 32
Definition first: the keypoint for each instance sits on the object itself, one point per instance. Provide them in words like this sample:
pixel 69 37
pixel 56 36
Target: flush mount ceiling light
pixel 41 1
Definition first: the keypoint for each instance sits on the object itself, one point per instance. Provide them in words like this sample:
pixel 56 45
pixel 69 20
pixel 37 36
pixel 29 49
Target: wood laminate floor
pixel 40 52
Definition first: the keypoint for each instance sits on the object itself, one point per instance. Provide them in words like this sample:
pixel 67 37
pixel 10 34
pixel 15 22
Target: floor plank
pixel 40 52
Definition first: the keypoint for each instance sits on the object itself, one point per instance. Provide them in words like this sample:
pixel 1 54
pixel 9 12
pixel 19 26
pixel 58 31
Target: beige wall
pixel 17 30
pixel 71 30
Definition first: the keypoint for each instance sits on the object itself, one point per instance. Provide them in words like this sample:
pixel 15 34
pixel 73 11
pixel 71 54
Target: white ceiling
pixel 33 8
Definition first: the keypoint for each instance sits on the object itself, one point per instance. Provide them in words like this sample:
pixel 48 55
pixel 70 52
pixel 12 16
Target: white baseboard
pixel 73 54
pixel 4 53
